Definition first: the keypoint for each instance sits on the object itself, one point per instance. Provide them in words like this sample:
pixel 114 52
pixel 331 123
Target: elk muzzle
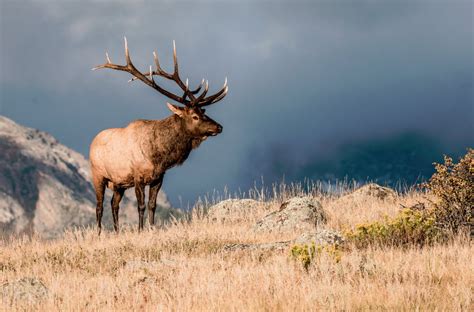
pixel 217 129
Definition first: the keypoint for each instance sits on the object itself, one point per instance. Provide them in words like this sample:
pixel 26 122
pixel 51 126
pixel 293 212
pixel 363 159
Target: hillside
pixel 45 186
pixel 220 261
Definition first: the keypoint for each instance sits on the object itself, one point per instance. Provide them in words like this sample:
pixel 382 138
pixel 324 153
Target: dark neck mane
pixel 170 142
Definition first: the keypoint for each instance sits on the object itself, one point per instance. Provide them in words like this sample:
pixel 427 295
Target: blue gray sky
pixel 307 80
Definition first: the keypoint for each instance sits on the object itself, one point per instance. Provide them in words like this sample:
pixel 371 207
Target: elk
pixel 140 154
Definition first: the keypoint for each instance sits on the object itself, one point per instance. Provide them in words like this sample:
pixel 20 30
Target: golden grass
pixel 184 267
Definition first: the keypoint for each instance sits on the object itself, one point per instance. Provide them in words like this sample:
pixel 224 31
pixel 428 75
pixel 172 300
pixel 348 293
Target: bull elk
pixel 139 154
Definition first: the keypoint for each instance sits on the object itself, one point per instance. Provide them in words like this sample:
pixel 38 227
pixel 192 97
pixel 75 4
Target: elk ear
pixel 175 109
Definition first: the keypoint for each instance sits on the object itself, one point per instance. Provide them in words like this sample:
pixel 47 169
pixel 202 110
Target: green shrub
pixel 453 184
pixel 409 227
pixel 306 254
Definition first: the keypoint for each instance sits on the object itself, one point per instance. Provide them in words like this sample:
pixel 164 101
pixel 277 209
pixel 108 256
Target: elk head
pixel 196 122
pixel 192 114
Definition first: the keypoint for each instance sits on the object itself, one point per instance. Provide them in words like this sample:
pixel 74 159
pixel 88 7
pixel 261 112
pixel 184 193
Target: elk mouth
pixel 212 133
pixel 215 131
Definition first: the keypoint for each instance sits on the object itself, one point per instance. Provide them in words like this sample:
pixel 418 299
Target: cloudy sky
pixel 306 79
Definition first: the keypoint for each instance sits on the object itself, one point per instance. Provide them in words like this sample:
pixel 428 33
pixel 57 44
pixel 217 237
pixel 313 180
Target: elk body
pixel 140 154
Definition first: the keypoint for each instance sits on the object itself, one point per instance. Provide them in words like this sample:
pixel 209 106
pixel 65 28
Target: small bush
pixel 306 254
pixel 409 227
pixel 453 184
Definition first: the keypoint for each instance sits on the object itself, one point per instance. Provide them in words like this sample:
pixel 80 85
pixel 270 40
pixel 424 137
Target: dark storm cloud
pixel 305 77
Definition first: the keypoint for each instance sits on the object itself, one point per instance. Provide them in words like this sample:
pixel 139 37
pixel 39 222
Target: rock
pixel 28 289
pixel 320 237
pixel 232 210
pixel 296 214
pixel 374 191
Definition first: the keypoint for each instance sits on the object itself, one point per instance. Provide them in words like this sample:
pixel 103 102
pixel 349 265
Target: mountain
pixel 45 186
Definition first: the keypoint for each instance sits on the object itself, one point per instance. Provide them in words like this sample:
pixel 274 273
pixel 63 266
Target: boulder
pixel 296 214
pixel 232 210
pixel 29 290
pixel 374 191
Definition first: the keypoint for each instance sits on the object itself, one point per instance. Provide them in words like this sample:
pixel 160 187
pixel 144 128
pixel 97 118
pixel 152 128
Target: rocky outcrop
pixel 372 191
pixel 298 214
pixel 45 187
pixel 232 210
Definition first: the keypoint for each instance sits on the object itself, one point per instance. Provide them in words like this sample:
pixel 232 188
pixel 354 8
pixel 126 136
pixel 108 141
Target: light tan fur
pixel 117 156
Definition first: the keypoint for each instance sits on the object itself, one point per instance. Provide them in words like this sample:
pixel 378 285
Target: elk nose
pixel 219 128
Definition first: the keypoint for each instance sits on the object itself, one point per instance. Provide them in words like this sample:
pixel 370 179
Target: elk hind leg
pixel 99 185
pixel 115 203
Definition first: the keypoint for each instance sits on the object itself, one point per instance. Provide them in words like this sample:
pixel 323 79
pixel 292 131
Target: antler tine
pixel 221 96
pixel 175 60
pixel 203 94
pixel 198 88
pixel 157 62
pixel 151 74
pixel 177 78
pixel 186 89
pixel 159 70
pixel 104 65
pixel 127 54
pixel 215 97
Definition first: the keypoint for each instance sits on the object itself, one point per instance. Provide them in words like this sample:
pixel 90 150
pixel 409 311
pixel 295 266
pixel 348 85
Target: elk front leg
pixel 115 202
pixel 140 193
pixel 154 189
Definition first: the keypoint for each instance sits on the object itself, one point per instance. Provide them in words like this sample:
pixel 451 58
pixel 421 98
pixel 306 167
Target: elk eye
pixel 195 117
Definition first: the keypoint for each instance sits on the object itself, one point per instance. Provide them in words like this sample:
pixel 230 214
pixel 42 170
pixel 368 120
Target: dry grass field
pixel 185 267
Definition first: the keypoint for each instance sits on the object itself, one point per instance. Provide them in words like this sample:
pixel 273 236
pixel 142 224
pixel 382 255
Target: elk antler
pixel 147 78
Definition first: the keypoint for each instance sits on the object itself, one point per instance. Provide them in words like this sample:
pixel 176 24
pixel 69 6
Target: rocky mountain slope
pixel 45 186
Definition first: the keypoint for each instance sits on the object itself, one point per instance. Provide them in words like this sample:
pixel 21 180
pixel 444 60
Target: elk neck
pixel 170 142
